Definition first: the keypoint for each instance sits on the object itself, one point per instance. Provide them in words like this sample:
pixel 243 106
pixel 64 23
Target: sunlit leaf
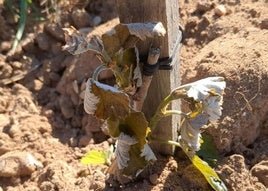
pixel 97 157
pixel 210 175
pixel 105 102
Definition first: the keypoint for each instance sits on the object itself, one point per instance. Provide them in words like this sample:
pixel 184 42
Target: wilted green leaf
pixel 105 102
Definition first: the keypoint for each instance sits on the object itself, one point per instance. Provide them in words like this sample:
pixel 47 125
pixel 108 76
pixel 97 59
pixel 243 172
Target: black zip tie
pixel 149 69
pixel 164 63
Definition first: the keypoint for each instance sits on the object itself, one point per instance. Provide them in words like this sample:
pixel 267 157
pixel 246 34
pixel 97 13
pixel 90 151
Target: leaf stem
pixel 162 108
pixel 160 112
pixel 174 143
pixel 97 71
pixel 175 112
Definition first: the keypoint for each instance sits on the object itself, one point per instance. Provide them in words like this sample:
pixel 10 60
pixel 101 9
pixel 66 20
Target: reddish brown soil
pixel 42 113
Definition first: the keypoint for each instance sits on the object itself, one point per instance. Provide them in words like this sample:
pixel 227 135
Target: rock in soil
pixel 18 163
pixel 260 170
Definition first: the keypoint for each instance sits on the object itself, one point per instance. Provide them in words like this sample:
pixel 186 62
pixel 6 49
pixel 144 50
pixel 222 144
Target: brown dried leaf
pixel 105 102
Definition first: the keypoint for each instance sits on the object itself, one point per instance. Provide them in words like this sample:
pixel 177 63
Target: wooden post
pixel 167 12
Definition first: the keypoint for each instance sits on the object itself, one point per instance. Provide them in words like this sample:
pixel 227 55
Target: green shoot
pixel 22 21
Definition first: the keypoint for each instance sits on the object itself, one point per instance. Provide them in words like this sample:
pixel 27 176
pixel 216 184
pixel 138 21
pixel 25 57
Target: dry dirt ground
pixel 44 130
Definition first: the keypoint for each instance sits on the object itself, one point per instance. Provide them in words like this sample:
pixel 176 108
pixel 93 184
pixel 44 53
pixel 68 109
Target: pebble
pixel 220 10
pixel 17 163
pixel 203 5
pixel 55 31
pixel 73 142
pixel 85 140
pixel 260 170
pixel 96 20
pixel 5 46
pixel 16 65
pixel 264 24
pixel 81 18
pixel 43 41
pixel 153 179
pixel 66 107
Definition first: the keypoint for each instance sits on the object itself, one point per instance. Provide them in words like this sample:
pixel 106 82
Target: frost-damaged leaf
pixel 148 153
pixel 140 154
pixel 76 43
pixel 125 36
pixel 122 149
pixel 127 71
pixel 202 89
pixel 208 92
pixel 191 131
pixel 105 102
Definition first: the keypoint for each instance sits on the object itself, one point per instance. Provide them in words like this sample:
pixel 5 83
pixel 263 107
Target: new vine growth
pixel 120 105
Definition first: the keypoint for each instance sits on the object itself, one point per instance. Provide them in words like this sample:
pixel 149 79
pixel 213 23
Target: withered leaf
pixel 125 36
pixel 76 43
pixel 105 102
pixel 136 125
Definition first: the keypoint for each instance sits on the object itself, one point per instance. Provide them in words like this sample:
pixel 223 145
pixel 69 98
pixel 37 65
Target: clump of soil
pixel 44 130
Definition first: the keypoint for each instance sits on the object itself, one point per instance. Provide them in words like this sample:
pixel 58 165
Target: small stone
pixel 6 71
pixel 84 141
pixel 260 170
pixel 28 43
pixel 16 65
pixel 80 18
pixel 18 163
pixel 66 107
pixel 54 76
pixel 220 10
pixel 56 48
pixel 43 41
pixel 93 124
pixel 96 20
pixel 55 31
pixel 14 131
pixel 73 142
pixel 5 46
pixel 153 179
pixel 264 24
pixel 204 5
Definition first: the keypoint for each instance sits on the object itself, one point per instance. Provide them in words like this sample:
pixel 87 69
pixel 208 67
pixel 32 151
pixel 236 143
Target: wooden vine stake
pixel 167 12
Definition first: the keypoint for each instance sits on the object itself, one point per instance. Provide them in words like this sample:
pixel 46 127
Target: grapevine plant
pixel 116 104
